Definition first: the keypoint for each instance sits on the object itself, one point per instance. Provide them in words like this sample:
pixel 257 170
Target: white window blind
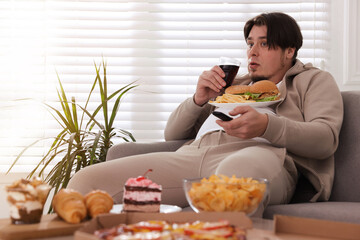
pixel 164 45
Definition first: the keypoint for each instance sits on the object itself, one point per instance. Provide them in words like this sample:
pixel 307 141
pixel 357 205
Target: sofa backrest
pixel 347 157
pixel 346 186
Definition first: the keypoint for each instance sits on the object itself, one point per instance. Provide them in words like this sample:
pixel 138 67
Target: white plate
pixel 117 208
pixel 251 104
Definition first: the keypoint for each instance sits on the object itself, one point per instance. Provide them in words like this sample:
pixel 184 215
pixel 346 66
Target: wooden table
pixel 49 226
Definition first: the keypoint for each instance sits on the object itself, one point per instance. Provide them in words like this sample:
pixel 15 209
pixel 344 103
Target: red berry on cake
pixel 141 195
pixel 139 178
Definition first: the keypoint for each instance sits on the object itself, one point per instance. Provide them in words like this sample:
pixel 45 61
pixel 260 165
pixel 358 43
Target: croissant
pixel 98 202
pixel 69 205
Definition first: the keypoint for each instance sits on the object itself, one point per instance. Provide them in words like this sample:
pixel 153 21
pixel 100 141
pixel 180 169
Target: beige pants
pixel 215 153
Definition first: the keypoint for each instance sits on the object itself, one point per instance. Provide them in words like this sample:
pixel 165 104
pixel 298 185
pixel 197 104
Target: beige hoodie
pixel 307 123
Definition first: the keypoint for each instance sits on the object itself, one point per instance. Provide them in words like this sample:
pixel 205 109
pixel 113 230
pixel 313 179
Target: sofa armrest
pixel 134 148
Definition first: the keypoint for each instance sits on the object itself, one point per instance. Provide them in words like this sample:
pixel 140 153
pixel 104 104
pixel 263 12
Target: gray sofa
pixel 344 203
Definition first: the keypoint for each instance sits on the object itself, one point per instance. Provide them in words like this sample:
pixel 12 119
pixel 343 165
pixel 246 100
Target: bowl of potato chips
pixel 220 193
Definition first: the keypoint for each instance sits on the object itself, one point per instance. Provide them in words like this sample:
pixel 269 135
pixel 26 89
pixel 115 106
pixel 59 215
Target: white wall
pixel 344 65
pixel 345 48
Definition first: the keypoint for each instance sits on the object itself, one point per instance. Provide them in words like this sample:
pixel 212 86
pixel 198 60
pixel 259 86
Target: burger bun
pixel 237 89
pixel 264 86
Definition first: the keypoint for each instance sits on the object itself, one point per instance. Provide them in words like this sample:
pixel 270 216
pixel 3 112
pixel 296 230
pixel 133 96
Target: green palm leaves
pixel 83 140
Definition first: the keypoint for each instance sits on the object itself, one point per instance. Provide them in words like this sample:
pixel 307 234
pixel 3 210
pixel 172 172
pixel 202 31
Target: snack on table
pixel 69 205
pixel 141 195
pixel 221 193
pixel 98 202
pixel 153 229
pixel 27 199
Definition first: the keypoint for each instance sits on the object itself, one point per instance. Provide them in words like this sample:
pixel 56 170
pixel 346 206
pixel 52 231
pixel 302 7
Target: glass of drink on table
pixel 230 66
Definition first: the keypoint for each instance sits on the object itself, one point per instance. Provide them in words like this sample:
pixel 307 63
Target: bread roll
pixel 69 205
pixel 98 202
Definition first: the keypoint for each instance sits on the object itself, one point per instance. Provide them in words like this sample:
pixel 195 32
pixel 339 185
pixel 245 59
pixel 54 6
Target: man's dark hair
pixel 282 30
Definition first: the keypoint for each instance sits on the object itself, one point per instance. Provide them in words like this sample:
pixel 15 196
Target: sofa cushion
pixel 335 211
pixel 347 157
pixel 344 204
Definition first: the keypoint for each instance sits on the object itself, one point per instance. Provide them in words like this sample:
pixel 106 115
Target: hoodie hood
pixel 298 68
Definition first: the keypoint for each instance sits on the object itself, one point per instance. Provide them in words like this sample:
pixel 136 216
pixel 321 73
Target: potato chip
pixel 222 193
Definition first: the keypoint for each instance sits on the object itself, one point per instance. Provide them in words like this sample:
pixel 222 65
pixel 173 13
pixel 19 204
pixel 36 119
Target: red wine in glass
pixel 230 66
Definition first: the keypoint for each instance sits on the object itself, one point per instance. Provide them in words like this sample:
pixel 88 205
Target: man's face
pixel 265 63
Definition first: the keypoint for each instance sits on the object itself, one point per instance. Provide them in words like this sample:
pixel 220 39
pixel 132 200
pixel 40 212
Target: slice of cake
pixel 141 195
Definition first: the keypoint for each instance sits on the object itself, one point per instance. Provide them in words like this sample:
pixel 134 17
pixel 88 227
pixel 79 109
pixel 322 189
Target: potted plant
pixel 83 140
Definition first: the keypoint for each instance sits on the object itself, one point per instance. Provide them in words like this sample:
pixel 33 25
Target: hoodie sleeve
pixel 309 121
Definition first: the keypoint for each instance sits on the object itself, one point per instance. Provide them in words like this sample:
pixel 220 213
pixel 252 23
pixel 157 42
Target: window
pixel 164 45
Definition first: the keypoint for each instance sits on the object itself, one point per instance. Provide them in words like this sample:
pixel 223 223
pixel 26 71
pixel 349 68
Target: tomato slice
pixel 149 225
pixel 215 225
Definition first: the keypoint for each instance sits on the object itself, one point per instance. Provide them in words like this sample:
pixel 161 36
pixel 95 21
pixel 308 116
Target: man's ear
pixel 289 52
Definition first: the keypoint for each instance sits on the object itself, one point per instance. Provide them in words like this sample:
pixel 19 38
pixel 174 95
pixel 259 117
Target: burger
pixel 261 91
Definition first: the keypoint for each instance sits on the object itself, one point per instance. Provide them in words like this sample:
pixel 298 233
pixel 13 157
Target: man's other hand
pixel 248 125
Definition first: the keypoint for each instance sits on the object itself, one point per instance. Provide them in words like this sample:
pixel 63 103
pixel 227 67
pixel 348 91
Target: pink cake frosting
pixel 142 182
pixel 143 196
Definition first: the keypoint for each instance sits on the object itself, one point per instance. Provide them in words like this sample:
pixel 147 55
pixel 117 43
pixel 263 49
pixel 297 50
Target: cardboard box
pixel 110 220
pixel 287 227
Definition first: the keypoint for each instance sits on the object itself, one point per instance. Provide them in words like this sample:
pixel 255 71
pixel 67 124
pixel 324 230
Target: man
pixel 301 137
